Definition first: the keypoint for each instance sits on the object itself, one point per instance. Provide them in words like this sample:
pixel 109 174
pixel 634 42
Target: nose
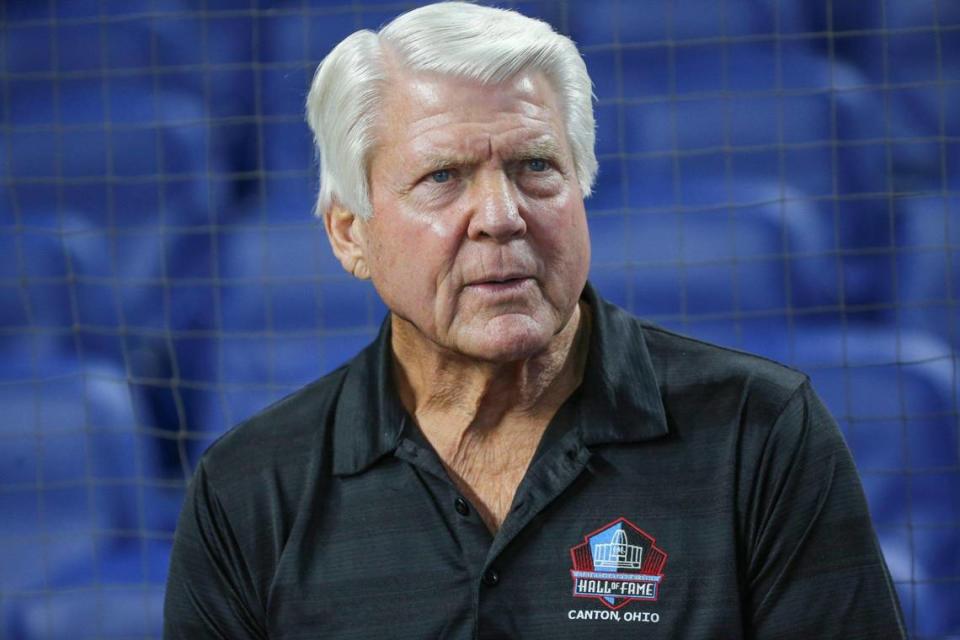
pixel 496 213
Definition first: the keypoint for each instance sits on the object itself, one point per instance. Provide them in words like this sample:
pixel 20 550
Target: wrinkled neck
pixel 438 386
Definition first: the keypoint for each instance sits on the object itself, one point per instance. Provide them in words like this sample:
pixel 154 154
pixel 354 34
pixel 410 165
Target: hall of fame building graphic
pixel 616 564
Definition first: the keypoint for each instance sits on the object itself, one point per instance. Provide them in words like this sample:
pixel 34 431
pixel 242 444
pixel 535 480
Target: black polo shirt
pixel 683 491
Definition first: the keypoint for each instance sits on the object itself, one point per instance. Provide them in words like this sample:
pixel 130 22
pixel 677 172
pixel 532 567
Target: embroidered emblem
pixel 616 564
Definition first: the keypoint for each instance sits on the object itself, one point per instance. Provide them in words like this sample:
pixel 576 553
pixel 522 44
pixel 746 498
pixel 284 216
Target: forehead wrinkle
pixel 448 149
pixel 437 114
pixel 423 92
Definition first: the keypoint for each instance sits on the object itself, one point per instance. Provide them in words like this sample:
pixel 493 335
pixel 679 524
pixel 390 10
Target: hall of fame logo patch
pixel 616 564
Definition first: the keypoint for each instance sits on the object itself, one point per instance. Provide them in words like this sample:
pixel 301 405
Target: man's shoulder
pixel 293 428
pixel 690 367
pixel 699 358
pixel 709 385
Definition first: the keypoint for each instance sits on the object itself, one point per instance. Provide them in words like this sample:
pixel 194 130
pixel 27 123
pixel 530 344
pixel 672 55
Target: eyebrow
pixel 543 147
pixel 444 161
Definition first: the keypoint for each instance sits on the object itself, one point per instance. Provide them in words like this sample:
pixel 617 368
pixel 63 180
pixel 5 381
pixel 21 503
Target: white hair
pixel 456 39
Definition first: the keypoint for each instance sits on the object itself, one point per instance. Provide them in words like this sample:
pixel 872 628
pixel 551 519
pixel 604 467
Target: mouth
pixel 504 285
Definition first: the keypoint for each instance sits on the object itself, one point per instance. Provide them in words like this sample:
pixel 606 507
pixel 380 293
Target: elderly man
pixel 513 457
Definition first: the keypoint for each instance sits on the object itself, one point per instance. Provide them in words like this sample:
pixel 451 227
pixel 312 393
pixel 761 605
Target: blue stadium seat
pixel 254 372
pixel 756 113
pixel 287 314
pixel 107 202
pixel 747 96
pixel 125 213
pixel 746 247
pixel 36 291
pixel 80 479
pixel 171 40
pixel 77 276
pixel 143 161
pixel 910 37
pixel 604 22
pixel 906 52
pixel 58 286
pixel 280 274
pixel 155 165
pixel 292 47
pixel 291 44
pixel 928 269
pixel 894 394
pixel 134 238
pixel 55 288
pixel 115 609
pixel 123 599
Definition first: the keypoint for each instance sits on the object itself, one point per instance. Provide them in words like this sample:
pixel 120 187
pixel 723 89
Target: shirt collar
pixel 619 397
pixel 369 418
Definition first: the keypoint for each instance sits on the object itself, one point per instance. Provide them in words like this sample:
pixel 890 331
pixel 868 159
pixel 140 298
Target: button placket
pixel 547 480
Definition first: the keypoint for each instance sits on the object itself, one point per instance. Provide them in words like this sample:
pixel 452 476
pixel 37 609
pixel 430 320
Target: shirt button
pixel 461 506
pixel 491 577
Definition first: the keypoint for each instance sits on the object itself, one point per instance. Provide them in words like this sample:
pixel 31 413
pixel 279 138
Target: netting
pixel 777 175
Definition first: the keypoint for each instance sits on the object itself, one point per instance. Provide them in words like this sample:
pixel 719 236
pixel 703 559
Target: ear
pixel 347 234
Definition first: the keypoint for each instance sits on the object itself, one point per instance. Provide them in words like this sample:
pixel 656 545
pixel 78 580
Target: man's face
pixel 478 236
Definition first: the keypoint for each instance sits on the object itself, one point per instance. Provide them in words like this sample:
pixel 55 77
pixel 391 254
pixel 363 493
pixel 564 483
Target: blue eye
pixel 441 176
pixel 537 164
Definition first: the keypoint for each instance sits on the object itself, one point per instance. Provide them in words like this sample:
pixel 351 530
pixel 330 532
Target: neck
pixel 440 387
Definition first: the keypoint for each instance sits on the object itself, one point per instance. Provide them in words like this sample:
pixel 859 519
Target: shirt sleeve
pixel 210 592
pixel 815 569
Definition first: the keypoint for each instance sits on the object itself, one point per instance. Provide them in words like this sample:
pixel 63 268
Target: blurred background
pixel 781 176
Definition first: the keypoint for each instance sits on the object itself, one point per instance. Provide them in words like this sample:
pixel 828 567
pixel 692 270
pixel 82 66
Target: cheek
pixel 413 251
pixel 561 232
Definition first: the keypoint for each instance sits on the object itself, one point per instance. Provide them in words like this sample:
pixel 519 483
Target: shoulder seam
pixel 336 376
pixel 648 326
pixel 793 394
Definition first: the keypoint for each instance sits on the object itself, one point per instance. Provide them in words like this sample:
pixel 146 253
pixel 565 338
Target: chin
pixel 508 339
